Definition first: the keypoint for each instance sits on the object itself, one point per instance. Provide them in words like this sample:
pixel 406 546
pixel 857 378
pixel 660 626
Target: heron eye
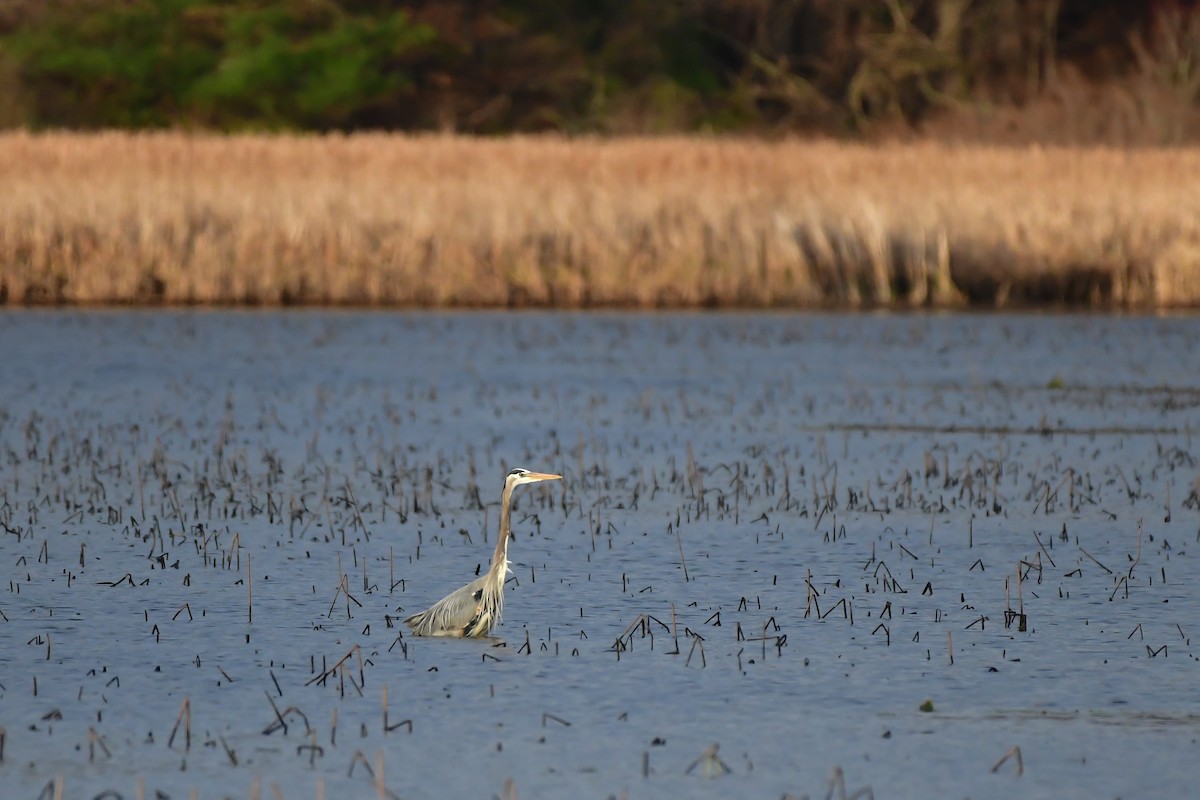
pixel 478 594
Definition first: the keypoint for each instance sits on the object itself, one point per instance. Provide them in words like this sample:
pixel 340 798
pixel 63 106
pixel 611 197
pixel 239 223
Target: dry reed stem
pixel 710 763
pixel 1014 753
pixel 184 716
pixel 673 221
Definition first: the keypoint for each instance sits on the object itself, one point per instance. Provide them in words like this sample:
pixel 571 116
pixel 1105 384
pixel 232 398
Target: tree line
pixel 836 67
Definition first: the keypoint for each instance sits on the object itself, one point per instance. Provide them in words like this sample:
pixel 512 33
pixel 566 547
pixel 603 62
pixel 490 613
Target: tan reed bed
pixel 452 221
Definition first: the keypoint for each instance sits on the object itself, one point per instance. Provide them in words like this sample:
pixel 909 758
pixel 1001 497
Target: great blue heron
pixel 476 607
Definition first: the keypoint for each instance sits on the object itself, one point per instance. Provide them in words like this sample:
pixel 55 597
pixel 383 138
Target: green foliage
pixel 305 64
pixel 147 63
pixel 574 65
pixel 109 66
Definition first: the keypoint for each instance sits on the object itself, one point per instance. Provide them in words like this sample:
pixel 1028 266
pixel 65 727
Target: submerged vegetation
pixel 433 221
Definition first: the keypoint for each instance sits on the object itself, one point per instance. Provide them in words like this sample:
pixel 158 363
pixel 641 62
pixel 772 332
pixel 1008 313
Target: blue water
pixel 821 518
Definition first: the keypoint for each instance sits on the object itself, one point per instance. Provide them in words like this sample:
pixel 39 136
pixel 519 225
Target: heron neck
pixel 501 554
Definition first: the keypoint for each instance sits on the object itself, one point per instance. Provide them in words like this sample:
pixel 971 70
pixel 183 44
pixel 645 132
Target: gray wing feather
pixel 456 614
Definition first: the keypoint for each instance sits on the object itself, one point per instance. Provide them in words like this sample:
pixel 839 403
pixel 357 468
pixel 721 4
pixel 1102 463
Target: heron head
pixel 519 476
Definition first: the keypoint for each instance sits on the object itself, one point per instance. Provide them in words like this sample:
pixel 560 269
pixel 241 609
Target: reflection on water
pixel 780 534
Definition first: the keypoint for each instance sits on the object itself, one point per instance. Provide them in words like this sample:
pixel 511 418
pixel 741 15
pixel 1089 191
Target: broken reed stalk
pixel 682 560
pixel 324 675
pixel 185 715
pixel 279 721
pixel 387 726
pixel 1137 557
pixel 229 751
pixel 359 758
pixel 1094 560
pixel 312 747
pixel 1020 598
pixel 710 763
pixel 1044 550
pixel 696 640
pixel 1014 753
pixel 808 592
pixel 93 740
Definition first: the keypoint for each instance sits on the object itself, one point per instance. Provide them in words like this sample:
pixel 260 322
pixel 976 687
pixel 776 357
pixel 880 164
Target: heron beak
pixel 542 476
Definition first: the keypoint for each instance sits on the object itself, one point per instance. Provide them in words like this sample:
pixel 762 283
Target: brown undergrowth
pixel 436 221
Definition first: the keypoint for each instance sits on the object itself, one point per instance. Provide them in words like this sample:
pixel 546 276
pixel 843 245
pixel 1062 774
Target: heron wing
pixel 457 614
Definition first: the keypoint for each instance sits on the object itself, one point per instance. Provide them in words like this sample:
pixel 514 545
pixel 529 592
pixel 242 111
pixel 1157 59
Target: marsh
pixel 779 533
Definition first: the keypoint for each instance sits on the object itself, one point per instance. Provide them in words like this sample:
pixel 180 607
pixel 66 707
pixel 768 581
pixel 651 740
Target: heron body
pixel 474 609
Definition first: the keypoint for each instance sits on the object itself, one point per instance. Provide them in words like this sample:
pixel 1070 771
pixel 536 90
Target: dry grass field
pixel 665 222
